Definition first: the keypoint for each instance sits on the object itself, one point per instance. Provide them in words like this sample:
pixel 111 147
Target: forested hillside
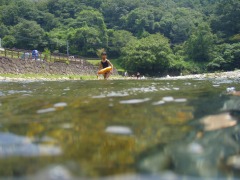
pixel 150 36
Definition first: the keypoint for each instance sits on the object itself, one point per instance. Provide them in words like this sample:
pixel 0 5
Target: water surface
pixel 122 129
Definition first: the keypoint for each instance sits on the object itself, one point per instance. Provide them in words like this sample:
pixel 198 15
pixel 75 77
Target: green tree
pixel 9 41
pixel 151 55
pixel 200 44
pixel 226 17
pixel 9 15
pixel 4 30
pixel 117 40
pixel 226 57
pixel 85 40
pixel 28 34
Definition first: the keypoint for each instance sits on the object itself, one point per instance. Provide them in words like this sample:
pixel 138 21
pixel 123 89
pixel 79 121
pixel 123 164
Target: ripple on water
pixel 99 96
pixel 122 130
pixel 117 94
pixel 134 101
pixel 168 99
pixel 143 89
pixel 60 104
pixel 42 111
pixel 180 100
pixel 158 103
pixel 17 92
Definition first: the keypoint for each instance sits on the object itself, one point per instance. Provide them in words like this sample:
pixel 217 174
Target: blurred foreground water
pixel 121 129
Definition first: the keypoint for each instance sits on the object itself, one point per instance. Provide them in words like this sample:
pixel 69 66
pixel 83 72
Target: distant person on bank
pixel 105 63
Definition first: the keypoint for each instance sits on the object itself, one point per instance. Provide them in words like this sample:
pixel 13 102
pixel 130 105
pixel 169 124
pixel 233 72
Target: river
pixel 120 129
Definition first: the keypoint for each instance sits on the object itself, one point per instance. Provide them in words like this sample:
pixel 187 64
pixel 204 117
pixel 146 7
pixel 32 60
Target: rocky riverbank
pixel 19 66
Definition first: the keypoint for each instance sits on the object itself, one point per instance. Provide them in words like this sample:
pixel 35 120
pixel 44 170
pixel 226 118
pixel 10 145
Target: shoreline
pixel 46 77
pixel 217 75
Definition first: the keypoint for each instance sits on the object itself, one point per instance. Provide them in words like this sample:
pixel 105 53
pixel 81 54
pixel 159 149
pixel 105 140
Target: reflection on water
pixel 150 129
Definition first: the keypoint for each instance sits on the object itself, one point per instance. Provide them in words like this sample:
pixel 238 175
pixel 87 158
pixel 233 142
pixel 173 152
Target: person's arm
pixel 109 63
pixel 100 66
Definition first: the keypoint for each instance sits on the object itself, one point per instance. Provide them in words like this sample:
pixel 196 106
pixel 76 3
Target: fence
pixel 26 55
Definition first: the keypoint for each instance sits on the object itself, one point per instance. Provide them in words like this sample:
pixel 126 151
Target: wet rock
pixel 234 162
pixel 200 154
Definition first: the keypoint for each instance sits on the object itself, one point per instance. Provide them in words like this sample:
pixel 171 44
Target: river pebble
pixel 118 130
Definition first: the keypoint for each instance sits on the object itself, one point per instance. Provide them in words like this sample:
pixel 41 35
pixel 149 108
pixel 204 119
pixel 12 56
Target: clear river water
pixel 120 129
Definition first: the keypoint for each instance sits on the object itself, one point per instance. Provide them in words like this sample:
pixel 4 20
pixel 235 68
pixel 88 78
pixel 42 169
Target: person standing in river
pixel 105 63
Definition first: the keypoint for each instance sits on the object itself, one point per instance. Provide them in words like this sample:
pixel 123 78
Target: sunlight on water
pixel 123 129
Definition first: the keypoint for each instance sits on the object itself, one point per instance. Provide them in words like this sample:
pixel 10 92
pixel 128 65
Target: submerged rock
pixel 219 121
pixel 213 154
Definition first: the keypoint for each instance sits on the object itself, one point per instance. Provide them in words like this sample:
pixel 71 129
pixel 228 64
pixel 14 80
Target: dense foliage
pixel 150 36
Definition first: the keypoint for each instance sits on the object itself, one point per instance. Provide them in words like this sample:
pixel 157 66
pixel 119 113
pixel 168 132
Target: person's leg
pixel 106 75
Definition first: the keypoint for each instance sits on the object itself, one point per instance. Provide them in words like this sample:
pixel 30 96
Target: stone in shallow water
pixel 57 172
pixel 15 145
pixel 234 161
pixel 230 89
pixel 219 121
pixel 195 148
pixel 118 130
pixel 134 101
